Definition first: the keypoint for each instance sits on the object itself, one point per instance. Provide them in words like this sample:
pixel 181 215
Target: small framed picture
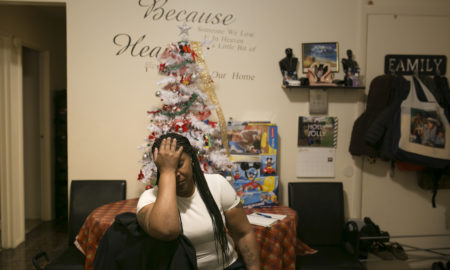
pixel 321 53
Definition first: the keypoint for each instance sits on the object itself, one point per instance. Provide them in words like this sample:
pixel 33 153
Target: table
pixel 278 244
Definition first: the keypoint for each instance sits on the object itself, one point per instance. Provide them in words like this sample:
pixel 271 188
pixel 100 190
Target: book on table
pixel 264 219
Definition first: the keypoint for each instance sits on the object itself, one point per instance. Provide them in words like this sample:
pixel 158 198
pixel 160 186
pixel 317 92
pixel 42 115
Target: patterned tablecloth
pixel 278 244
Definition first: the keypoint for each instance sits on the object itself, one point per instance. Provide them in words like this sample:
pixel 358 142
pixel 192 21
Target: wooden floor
pixel 50 236
pixel 416 261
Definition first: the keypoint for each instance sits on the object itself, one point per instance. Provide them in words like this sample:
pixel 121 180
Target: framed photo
pixel 321 53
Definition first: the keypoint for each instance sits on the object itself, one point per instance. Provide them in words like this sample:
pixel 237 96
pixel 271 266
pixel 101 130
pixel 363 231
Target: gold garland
pixel 208 85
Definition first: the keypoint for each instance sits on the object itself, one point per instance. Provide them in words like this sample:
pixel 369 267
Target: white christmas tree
pixel 187 103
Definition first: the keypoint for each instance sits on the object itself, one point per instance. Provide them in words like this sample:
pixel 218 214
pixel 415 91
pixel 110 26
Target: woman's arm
pixel 243 236
pixel 161 219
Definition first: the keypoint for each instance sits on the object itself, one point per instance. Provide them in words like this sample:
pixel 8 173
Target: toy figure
pixel 251 185
pixel 269 170
pixel 288 67
pixel 351 69
pixel 250 174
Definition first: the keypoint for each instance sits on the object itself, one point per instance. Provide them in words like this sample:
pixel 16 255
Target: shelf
pixel 324 87
pixel 318 96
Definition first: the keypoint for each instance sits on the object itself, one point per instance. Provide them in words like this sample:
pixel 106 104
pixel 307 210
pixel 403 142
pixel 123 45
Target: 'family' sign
pixel 403 64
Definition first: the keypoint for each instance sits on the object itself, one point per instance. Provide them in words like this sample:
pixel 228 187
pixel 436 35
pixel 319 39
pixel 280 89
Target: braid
pixel 220 233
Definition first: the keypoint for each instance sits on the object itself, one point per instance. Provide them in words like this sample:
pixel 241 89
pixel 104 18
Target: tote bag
pixel 424 129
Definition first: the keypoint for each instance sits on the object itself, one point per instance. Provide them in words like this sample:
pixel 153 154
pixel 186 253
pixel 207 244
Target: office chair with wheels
pixel 320 207
pixel 85 196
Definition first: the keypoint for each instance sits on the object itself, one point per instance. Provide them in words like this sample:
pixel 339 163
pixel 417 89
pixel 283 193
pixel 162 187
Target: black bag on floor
pixel 369 234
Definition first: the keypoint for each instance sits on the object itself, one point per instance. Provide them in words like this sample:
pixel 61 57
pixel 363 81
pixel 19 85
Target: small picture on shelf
pixel 324 53
pixel 319 74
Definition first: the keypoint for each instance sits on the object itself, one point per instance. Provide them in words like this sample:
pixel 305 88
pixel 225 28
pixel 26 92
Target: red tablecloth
pixel 278 244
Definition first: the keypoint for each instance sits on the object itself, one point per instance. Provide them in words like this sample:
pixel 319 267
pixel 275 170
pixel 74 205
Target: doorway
pixel 29 34
pixel 31 137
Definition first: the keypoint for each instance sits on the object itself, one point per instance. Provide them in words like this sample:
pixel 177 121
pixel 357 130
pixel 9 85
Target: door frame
pixel 11 143
pixel 12 200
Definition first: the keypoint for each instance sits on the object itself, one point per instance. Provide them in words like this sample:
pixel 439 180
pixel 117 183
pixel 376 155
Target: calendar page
pixel 315 162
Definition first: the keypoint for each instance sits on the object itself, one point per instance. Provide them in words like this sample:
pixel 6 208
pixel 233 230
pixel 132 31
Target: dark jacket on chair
pixel 126 246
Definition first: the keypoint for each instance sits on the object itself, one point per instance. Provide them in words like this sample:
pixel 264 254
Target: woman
pixel 203 202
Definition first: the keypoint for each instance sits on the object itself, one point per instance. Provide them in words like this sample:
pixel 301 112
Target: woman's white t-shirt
pixel 197 223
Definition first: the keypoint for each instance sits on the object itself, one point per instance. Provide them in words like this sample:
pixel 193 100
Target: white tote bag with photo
pixel 424 129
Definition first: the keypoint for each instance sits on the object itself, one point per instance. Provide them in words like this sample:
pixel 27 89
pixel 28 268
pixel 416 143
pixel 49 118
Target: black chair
pixel 322 226
pixel 85 196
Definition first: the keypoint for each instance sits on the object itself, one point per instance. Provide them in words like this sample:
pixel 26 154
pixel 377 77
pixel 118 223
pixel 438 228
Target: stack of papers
pixel 264 219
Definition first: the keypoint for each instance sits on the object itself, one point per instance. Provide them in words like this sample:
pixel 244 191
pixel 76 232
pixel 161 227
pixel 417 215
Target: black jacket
pixel 380 133
pixel 382 93
pixel 126 246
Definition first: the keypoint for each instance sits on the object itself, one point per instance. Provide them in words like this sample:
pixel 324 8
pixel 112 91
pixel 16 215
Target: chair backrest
pixel 86 195
pixel 320 207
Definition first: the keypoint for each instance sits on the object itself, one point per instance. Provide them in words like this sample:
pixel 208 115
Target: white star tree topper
pixel 184 29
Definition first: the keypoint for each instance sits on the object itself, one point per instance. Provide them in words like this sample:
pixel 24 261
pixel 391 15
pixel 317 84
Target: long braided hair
pixel 220 234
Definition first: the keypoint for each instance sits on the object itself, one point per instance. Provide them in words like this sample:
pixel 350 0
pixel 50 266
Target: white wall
pixel 109 95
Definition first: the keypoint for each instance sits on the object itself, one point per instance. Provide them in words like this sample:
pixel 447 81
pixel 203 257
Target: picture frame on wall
pixel 325 53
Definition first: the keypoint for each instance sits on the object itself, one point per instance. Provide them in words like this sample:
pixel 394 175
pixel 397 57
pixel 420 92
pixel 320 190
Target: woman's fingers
pixel 167 148
pixel 173 145
pixel 168 145
pixel 179 151
pixel 167 156
pixel 155 154
pixel 164 143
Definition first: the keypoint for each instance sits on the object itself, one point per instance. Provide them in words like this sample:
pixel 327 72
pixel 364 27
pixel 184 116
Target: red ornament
pixel 153 112
pixel 140 176
pixel 186 79
pixel 162 67
pixel 202 115
pixel 152 136
pixel 213 124
pixel 193 55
